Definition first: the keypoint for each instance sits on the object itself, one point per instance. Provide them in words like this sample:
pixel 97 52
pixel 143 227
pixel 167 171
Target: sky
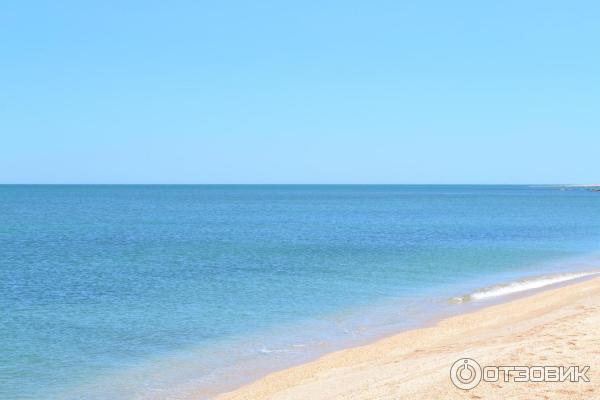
pixel 299 91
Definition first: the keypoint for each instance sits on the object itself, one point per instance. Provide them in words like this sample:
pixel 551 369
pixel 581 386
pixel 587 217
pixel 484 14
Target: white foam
pixel 521 286
pixel 266 350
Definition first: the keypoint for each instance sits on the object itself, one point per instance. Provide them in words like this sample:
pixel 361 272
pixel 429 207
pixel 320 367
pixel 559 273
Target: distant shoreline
pixel 591 188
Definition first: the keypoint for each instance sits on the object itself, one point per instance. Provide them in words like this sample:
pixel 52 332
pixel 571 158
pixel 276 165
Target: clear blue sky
pixel 299 92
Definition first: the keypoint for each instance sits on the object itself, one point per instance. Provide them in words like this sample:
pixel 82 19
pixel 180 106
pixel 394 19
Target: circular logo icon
pixel 465 373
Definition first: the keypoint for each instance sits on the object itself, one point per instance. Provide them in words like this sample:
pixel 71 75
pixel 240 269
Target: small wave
pixel 520 286
pixel 265 350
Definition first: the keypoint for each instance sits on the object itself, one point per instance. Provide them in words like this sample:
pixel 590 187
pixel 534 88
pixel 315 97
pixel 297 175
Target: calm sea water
pixel 124 292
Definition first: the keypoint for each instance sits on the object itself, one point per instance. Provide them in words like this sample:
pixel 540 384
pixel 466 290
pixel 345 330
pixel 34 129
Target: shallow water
pixel 123 292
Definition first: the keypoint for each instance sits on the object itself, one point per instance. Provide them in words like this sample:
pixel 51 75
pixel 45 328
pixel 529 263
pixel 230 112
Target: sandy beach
pixel 556 327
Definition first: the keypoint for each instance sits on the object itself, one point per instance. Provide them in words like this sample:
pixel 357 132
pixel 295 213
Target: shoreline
pixel 517 331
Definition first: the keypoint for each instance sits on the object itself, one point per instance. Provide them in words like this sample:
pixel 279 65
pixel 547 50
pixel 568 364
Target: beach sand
pixel 560 326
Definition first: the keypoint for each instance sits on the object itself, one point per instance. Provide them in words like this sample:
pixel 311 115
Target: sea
pixel 128 292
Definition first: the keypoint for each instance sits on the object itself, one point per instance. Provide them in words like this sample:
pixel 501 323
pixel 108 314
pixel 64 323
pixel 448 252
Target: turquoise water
pixel 123 292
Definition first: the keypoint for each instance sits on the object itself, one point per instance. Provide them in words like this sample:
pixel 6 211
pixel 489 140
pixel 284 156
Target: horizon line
pixel 293 184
